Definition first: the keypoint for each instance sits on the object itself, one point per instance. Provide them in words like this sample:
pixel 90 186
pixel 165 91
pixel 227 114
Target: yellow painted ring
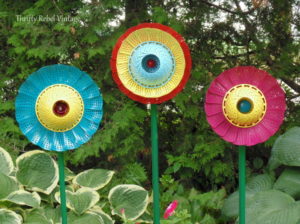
pixel 244 92
pixel 49 97
pixel 138 37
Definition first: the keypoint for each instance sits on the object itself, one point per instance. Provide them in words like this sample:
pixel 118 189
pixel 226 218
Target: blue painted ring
pixel 155 74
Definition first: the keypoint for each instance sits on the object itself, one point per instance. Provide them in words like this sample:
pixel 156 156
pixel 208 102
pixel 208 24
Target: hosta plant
pixel 29 194
pixel 273 197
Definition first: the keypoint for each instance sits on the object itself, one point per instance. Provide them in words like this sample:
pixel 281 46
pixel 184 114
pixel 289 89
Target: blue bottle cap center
pixel 244 106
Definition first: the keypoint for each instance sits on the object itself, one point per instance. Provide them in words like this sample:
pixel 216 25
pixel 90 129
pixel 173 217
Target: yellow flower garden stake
pixel 151 63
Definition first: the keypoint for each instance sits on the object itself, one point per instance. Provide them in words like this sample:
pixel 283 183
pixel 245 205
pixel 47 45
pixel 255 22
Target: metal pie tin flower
pixel 151 63
pixel 245 105
pixel 59 107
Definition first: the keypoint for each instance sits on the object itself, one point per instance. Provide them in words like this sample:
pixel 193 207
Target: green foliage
pixel 286 150
pixel 22 197
pixel 6 163
pixel 36 217
pixel 36 198
pixel 9 217
pixel 265 205
pixel 289 182
pixel 273 207
pixel 81 200
pixel 37 171
pixel 269 201
pixel 193 206
pixel 106 218
pixel 128 201
pixel 93 178
pixel 134 173
pixel 88 217
pixel 8 185
pixel 256 184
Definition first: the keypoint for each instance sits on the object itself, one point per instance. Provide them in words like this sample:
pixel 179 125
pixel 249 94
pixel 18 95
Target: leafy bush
pixel 29 193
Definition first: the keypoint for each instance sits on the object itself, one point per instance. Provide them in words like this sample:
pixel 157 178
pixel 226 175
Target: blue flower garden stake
pixel 58 108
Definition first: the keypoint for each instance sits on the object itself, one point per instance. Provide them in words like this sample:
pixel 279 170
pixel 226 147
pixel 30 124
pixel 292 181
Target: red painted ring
pixel 187 70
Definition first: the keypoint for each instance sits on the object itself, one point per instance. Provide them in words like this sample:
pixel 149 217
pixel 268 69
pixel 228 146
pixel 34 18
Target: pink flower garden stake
pixel 245 106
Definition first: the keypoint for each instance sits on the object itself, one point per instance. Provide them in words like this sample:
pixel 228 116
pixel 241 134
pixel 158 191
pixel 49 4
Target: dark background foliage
pixel 221 34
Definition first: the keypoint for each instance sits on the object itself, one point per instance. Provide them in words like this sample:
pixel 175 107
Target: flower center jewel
pixel 150 63
pixel 59 107
pixel 244 105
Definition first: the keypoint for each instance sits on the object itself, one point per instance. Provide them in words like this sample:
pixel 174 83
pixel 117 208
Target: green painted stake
pixel 242 184
pixel 155 170
pixel 62 187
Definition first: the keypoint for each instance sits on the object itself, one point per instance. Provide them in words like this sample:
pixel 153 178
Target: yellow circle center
pixel 49 98
pixel 139 37
pixel 241 93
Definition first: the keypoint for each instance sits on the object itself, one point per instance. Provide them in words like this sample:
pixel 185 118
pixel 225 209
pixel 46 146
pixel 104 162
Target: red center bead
pixel 61 108
pixel 151 63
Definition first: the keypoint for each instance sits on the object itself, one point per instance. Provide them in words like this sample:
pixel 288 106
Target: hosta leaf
pixel 86 218
pixel 286 149
pixel 255 184
pixel 289 214
pixel 94 178
pixel 289 182
pixel 22 197
pixel 36 217
pixel 270 199
pixel 105 217
pixel 81 200
pixel 37 171
pixel 272 207
pixel 144 218
pixel 258 163
pixel 7 185
pixel 260 182
pixel 9 217
pixel 231 204
pixel 128 200
pixel 6 163
pixel 51 197
pixel 53 214
pixel 69 175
